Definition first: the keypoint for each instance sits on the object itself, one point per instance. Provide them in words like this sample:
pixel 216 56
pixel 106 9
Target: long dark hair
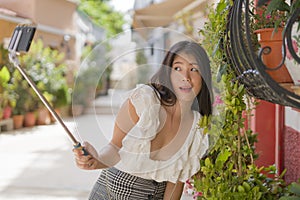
pixel 161 81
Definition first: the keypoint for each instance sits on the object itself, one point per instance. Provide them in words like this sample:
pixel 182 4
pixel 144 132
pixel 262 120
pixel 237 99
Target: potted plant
pixel 4 78
pixel 268 22
pixel 18 111
pixel 18 115
pixel 61 99
pixel 8 96
pixel 46 68
pixel 26 101
pixel 30 103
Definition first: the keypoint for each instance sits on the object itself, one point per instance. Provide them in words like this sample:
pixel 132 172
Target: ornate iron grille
pixel 248 65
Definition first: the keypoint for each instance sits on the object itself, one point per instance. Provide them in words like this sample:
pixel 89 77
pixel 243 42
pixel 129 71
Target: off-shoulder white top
pixel 135 152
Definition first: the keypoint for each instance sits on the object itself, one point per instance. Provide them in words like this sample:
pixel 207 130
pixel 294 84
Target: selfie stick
pixel 14 43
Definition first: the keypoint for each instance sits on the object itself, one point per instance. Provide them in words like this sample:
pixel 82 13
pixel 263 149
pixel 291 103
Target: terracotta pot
pixel 266 37
pixel 29 119
pixel 43 117
pixel 18 121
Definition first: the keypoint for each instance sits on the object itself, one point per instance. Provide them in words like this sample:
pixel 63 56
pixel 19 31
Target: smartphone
pixel 21 38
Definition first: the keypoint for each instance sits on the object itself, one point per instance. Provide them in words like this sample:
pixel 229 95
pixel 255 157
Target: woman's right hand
pixel 87 162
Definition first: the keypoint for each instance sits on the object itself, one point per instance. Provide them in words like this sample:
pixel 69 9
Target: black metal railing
pixel 247 63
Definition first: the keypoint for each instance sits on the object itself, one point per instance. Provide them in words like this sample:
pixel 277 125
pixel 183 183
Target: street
pixel 37 163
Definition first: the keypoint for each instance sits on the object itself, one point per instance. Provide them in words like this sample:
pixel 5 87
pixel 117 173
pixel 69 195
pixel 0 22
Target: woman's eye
pixel 177 68
pixel 195 69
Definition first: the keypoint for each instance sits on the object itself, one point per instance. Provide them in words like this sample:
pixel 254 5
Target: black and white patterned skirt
pixel 114 184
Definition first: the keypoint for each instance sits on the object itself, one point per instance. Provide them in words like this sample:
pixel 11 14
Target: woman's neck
pixel 180 109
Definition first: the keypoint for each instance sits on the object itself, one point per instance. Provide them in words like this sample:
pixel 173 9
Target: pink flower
pixel 217 101
pixel 197 194
pixel 295 47
pixel 189 184
pixel 188 187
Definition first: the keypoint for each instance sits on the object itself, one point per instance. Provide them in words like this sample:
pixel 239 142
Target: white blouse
pixel 135 152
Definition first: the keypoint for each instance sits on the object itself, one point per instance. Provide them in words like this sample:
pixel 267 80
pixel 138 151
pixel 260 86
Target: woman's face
pixel 185 77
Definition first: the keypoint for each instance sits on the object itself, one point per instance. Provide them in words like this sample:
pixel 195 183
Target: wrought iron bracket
pixel 248 65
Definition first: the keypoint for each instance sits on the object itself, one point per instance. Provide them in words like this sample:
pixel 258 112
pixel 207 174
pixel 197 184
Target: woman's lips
pixel 185 88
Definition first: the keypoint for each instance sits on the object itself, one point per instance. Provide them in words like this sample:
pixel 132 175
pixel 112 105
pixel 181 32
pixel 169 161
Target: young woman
pixel 156 144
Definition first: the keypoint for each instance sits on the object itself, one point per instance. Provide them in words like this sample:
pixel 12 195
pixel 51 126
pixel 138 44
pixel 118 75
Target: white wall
pixel 292 118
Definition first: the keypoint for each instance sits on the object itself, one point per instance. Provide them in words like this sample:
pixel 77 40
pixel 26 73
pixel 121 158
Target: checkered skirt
pixel 114 184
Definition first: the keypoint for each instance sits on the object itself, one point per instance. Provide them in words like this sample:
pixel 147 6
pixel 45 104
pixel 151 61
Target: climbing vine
pixel 228 170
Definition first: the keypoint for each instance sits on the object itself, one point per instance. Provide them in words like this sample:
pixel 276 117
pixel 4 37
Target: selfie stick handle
pixel 13 58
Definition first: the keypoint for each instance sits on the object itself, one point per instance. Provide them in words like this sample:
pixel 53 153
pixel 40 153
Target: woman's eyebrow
pixel 177 62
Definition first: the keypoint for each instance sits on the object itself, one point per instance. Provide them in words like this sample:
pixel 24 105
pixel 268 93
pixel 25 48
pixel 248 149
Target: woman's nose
pixel 186 76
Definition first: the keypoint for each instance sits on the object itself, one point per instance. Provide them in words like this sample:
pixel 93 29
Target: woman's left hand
pixel 87 162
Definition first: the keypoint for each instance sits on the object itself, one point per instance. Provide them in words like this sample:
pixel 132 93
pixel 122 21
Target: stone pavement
pixel 37 163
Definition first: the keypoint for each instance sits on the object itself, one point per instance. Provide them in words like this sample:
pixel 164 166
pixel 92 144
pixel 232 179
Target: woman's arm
pixel 173 191
pixel 108 155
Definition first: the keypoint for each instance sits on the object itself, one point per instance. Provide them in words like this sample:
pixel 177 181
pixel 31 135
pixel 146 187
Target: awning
pixel 160 14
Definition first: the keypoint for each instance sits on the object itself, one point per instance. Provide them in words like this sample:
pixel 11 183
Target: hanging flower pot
pixel 268 37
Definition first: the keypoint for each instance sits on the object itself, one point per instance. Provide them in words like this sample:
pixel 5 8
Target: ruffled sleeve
pixel 197 149
pixel 136 144
pixel 142 97
pixel 147 106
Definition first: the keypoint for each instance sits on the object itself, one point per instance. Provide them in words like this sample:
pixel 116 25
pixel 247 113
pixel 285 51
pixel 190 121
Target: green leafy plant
pixel 47 69
pixel 26 99
pixel 273 14
pixel 103 15
pixel 7 95
pixel 228 170
pixel 214 34
pixel 293 192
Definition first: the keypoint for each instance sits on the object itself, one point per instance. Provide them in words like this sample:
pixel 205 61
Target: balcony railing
pixel 247 63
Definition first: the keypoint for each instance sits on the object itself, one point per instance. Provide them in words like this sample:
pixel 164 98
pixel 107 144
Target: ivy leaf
pixel 221 7
pixel 223 157
pixel 295 5
pixel 295 188
pixel 262 2
pixel 4 75
pixel 207 162
pixel 278 5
